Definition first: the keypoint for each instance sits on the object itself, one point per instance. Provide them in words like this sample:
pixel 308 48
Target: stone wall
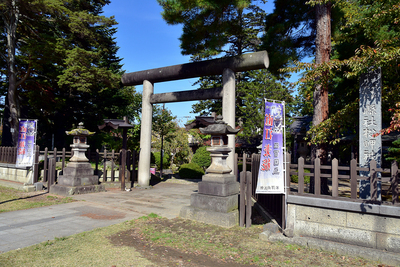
pixel 356 223
pixel 11 173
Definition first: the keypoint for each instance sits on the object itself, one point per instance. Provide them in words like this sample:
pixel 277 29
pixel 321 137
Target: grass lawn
pixel 12 199
pixel 156 241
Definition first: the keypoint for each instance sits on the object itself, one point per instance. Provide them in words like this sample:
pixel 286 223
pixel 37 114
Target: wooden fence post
pixel 249 202
pixel 14 157
pixel 52 163
pixel 122 163
pixel 63 159
pixel 104 166
pixel 317 176
pixel 244 163
pixel 242 199
pixel 335 178
pixel 45 175
pixel 255 165
pixel 97 164
pixel 243 192
pixel 36 165
pixel 353 178
pixel 112 166
pixel 300 176
pixel 394 171
pixel 287 162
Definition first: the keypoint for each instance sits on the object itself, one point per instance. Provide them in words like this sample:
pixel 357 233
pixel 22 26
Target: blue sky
pixel 146 41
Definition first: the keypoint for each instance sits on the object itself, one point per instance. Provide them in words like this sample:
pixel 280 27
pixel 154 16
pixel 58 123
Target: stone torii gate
pixel 225 66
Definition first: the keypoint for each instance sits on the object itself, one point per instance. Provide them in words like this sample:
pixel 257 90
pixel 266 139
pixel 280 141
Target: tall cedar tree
pixel 289 36
pixel 322 55
pixel 61 66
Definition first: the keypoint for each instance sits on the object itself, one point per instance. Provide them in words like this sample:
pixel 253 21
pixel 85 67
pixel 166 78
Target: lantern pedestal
pixel 217 199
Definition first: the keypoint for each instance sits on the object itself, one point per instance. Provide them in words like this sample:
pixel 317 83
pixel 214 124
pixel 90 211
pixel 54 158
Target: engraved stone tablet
pixel 370 123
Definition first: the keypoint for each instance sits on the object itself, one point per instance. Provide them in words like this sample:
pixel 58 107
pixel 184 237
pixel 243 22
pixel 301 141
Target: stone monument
pixel 78 177
pixel 217 199
pixel 370 146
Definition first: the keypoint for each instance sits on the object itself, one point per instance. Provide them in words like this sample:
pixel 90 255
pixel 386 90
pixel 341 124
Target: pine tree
pixel 227 28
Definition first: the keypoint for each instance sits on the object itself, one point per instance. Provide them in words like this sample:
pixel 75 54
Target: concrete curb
pixel 17 185
pixel 339 248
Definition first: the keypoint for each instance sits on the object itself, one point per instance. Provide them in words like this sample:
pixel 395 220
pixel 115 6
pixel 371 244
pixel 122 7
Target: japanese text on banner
pixel 271 174
pixel 26 143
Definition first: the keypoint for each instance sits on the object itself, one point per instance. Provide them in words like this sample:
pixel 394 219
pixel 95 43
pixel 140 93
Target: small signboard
pixel 26 143
pixel 271 177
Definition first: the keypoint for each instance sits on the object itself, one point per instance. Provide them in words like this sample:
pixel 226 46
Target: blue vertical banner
pixel 271 176
pixel 26 143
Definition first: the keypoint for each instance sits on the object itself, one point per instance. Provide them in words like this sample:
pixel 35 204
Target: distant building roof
pixel 300 124
pixel 200 121
pixel 115 124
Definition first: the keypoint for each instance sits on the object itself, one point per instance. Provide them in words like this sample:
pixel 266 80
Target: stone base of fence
pixel 17 185
pixel 16 174
pixel 366 229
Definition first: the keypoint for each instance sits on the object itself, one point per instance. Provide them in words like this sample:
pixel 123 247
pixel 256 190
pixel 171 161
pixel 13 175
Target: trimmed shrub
pixel 202 157
pixel 191 171
pixel 157 160
pixel 295 178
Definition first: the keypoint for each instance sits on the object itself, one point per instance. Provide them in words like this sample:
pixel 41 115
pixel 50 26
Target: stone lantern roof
pixel 80 131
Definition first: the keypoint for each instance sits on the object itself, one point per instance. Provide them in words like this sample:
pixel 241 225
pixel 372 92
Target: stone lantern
pixel 78 177
pixel 219 146
pixel 217 199
pixel 79 146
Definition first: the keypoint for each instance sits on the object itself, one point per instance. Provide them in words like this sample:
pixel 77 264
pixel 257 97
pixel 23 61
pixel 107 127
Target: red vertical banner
pixel 271 178
pixel 26 143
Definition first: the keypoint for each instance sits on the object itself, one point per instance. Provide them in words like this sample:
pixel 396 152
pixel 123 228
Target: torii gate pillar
pixel 228 111
pixel 145 136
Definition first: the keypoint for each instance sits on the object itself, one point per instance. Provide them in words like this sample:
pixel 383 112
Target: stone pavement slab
pixel 24 228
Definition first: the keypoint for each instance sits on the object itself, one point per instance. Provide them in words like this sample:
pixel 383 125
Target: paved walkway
pixel 24 228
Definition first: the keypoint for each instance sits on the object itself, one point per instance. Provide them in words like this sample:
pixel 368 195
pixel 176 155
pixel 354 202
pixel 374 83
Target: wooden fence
pixel 105 162
pixel 8 155
pixel 106 158
pixel 342 181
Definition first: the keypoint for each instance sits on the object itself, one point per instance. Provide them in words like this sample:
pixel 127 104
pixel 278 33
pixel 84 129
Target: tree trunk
pixel 11 22
pixel 320 101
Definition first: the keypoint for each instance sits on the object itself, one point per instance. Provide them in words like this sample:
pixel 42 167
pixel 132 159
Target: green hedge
pixel 295 178
pixel 157 160
pixel 202 157
pixel 191 171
